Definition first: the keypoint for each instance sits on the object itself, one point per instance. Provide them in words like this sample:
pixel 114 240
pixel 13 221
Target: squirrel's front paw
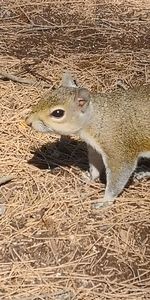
pixel 86 176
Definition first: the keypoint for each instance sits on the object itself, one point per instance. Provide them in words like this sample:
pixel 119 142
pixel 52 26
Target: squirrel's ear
pixel 68 81
pixel 83 98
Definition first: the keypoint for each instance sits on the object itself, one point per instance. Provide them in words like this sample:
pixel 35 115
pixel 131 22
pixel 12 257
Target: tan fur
pixel 115 125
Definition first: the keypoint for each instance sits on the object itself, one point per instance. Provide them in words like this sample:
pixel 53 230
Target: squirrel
pixel 115 125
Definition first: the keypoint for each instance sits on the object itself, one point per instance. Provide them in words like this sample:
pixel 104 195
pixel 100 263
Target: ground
pixel 53 244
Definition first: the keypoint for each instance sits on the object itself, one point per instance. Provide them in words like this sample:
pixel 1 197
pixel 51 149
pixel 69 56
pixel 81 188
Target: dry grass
pixel 53 245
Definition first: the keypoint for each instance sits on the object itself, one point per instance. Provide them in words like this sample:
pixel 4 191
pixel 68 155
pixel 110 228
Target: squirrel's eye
pixel 58 113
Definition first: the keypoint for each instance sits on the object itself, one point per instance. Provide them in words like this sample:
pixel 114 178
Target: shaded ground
pixel 53 245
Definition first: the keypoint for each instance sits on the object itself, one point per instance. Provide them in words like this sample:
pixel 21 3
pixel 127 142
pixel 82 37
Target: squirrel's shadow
pixel 64 152
pixel 70 152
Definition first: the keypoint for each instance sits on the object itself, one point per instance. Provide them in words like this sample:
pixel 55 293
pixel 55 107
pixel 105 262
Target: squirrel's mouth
pixel 39 125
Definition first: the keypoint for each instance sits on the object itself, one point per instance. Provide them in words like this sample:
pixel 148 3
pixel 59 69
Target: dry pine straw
pixel 51 240
pixel 53 245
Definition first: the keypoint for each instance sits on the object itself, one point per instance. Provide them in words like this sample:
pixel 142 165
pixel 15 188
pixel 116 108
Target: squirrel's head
pixel 66 110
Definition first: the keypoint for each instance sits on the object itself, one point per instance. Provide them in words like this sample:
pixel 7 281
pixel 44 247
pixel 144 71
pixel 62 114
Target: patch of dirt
pixel 64 29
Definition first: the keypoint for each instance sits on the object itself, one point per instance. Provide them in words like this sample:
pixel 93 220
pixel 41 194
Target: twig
pixel 5 179
pixel 7 76
pixel 44 27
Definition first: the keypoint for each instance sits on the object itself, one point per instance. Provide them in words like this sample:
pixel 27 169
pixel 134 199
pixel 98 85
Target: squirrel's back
pixel 123 115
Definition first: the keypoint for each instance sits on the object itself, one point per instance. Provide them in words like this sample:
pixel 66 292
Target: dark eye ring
pixel 58 113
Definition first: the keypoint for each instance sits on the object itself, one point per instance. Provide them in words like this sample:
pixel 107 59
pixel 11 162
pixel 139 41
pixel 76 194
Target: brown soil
pixel 53 244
